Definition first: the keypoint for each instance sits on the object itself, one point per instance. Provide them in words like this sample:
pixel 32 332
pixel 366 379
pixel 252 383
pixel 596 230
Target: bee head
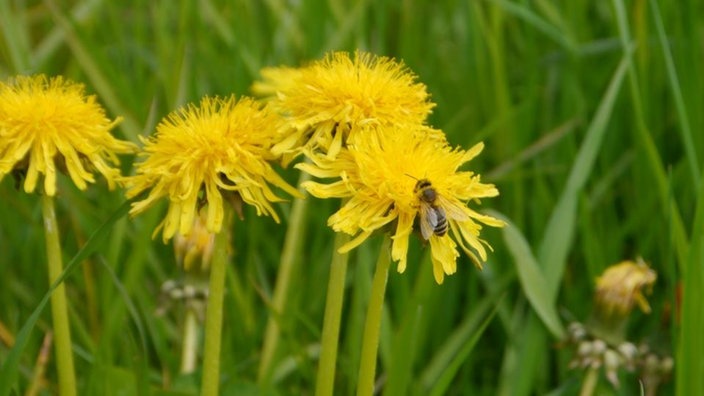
pixel 428 194
pixel 423 184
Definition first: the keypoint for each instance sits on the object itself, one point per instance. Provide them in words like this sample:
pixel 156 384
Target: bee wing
pixel 453 210
pixel 428 220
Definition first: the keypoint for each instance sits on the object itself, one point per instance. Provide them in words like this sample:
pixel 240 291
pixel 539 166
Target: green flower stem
pixel 189 347
pixel 59 308
pixel 607 325
pixel 372 325
pixel 289 255
pixel 213 315
pixel 331 322
pixel 589 382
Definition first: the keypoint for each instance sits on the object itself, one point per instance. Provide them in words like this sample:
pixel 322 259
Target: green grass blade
pixel 443 383
pixel 662 184
pixel 54 40
pixel 411 331
pixel 683 117
pixel 100 82
pixel 558 236
pixel 690 351
pixel 8 372
pixel 140 366
pixel 528 16
pixel 446 353
pixel 404 346
pixel 557 239
pixel 532 278
pixel 14 33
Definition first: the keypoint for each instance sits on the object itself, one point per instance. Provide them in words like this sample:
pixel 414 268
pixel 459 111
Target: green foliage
pixel 590 112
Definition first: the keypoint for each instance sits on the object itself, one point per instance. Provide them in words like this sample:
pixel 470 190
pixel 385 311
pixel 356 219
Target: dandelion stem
pixel 213 315
pixel 59 307
pixel 189 347
pixel 331 322
pixel 589 382
pixel 289 256
pixel 372 325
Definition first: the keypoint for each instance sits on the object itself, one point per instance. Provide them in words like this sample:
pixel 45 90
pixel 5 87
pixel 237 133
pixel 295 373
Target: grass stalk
pixel 690 348
pixel 372 324
pixel 289 257
pixel 38 379
pixel 59 307
pixel 674 80
pixel 643 135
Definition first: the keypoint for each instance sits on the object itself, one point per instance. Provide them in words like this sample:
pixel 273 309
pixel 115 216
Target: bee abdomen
pixel 440 228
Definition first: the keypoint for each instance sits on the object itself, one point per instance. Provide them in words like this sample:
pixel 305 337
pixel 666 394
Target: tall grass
pixel 591 116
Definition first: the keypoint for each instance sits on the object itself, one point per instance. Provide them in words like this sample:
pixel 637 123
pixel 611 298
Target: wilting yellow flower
pixel 50 123
pixel 327 102
pixel 199 153
pixel 621 286
pixel 195 250
pixel 380 174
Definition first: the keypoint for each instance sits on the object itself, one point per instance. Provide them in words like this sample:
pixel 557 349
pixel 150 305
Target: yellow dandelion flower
pixel 49 123
pixel 621 286
pixel 199 153
pixel 398 176
pixel 328 101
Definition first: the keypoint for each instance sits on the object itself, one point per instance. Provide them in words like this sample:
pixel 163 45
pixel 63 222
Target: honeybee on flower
pixel 374 175
pixel 434 210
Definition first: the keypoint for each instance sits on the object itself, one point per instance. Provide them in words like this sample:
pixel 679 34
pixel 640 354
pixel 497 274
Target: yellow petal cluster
pixel 194 251
pixel 50 124
pixel 378 173
pixel 199 153
pixel 327 102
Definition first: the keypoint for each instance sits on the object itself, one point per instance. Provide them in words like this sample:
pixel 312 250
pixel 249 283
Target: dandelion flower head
pixel 621 286
pixel 379 175
pixel 199 153
pixel 327 102
pixel 49 123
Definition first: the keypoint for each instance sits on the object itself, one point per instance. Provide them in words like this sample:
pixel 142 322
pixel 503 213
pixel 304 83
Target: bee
pixel 435 210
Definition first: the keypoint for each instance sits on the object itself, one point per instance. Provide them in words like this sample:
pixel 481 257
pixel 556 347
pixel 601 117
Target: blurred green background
pixel 591 116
